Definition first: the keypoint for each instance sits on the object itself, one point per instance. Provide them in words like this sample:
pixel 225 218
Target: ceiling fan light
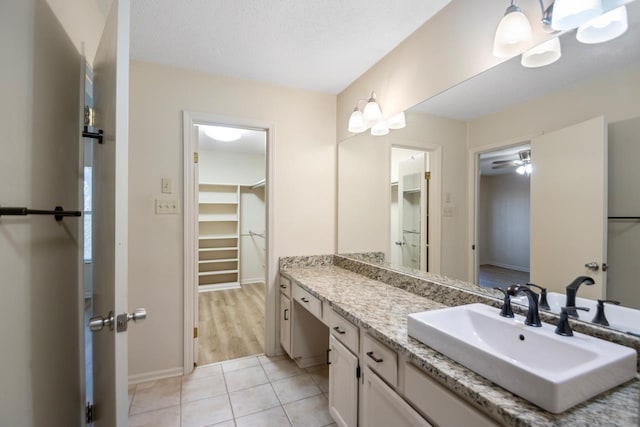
pixel 543 54
pixel 397 121
pixel 356 122
pixel 605 27
pixel 568 14
pixel 513 35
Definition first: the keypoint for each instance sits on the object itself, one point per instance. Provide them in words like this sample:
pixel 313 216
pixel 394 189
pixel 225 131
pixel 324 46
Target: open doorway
pixel 503 216
pixel 230 242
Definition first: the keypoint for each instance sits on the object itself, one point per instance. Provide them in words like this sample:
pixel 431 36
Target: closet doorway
pixel 229 241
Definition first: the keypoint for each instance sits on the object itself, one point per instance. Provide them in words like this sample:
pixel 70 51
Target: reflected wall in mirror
pixel 510 107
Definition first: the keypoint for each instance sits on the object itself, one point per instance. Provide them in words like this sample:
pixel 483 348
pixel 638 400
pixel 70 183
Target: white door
pixel 343 385
pixel 111 95
pixel 412 211
pixel 569 206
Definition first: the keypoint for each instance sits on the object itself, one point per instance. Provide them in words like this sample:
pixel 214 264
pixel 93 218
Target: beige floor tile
pixel 320 376
pixel 245 378
pixel 236 364
pixel 168 417
pixel 309 412
pixel 203 371
pixel 274 417
pixel 202 388
pixel 295 388
pixel 156 395
pixel 271 359
pixel 229 423
pixel 254 399
pixel 281 369
pixel 206 412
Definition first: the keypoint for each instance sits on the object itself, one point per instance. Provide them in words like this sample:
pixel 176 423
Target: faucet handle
pixel 564 328
pixel 543 303
pixel 600 318
pixel 506 310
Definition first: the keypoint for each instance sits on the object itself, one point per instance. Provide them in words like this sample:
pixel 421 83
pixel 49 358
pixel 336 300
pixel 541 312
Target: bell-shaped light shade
pixel 568 14
pixel 525 169
pixel 380 128
pixel 356 122
pixel 397 121
pixel 372 112
pixel 513 35
pixel 543 54
pixel 605 27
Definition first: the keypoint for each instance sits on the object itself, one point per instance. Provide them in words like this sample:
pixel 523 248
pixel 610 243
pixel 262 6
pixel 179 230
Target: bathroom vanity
pixel 379 376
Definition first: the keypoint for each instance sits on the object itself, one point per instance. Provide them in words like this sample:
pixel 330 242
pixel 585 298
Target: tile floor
pixel 255 391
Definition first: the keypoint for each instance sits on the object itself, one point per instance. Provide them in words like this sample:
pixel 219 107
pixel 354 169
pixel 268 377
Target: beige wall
pixel 39 263
pixel 451 47
pixel 304 187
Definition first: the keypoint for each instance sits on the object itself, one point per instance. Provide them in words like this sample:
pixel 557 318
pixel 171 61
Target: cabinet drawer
pixel 346 332
pixel 439 404
pixel 308 301
pixel 381 359
pixel 285 286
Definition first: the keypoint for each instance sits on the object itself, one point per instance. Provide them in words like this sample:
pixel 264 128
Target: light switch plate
pixel 167 186
pixel 167 207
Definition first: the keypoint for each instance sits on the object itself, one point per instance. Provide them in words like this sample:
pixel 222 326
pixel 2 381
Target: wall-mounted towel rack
pixel 58 213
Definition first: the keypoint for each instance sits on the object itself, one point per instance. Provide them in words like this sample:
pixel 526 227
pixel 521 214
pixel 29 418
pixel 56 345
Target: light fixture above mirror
pixel 595 24
pixel 371 117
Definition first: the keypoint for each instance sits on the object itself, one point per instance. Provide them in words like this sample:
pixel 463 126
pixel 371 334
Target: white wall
pixel 304 187
pixel 39 263
pixel 231 168
pixel 504 221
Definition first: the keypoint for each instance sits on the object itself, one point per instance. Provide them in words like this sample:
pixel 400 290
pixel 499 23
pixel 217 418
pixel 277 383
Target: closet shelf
pixel 217 236
pixel 206 202
pixel 228 248
pixel 217 218
pixel 216 273
pixel 216 261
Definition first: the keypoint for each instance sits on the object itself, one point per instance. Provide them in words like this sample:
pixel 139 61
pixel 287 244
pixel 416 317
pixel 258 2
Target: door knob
pixel 593 266
pixel 96 323
pixel 138 314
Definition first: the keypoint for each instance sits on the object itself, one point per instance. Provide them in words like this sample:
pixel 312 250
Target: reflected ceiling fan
pixel 523 163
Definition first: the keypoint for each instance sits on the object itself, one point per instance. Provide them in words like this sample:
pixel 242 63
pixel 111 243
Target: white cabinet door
pixel 343 385
pixel 383 407
pixel 569 206
pixel 285 323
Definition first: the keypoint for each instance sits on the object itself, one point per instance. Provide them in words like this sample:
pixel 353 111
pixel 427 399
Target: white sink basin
pixel 549 370
pixel 623 319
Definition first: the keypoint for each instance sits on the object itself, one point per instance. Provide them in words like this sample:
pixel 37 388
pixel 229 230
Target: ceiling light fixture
pixel 605 27
pixel 372 111
pixel 568 14
pixel 221 133
pixel 380 128
pixel 356 120
pixel 513 34
pixel 397 121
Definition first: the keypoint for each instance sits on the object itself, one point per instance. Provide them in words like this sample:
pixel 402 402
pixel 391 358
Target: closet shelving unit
pixel 219 236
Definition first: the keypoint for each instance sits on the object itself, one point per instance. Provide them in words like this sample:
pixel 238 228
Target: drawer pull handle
pixel 304 299
pixel 377 360
pixel 283 286
pixel 328 357
pixel 337 329
pixel 286 311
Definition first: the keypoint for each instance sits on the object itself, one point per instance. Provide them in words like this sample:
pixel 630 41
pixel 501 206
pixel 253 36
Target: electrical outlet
pixel 167 207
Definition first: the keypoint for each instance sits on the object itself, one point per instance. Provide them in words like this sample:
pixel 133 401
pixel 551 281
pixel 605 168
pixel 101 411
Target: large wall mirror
pixel 516 175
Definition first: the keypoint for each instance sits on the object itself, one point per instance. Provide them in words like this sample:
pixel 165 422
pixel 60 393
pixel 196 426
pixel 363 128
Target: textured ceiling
pixel 320 45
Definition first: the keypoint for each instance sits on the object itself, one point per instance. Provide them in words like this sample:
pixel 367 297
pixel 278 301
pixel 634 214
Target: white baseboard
pixel 509 266
pixel 218 287
pixel 251 281
pixel 155 375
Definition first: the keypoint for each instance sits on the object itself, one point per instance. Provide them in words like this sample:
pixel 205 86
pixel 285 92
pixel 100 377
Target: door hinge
pixel 89 412
pixel 427 176
pixel 358 372
pixel 195 332
pixel 195 157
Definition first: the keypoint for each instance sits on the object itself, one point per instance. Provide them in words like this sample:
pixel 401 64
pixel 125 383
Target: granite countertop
pixel 382 310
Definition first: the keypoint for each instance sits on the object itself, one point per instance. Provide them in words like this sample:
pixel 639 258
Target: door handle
pixel 593 266
pixel 286 311
pixel 97 323
pixel 123 319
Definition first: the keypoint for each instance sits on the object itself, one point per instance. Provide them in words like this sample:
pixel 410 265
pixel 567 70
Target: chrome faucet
pixel 533 317
pixel 572 290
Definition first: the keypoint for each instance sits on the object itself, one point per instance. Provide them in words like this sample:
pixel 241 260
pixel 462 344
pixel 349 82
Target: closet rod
pixel 58 213
pixel 251 233
pixel 260 183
